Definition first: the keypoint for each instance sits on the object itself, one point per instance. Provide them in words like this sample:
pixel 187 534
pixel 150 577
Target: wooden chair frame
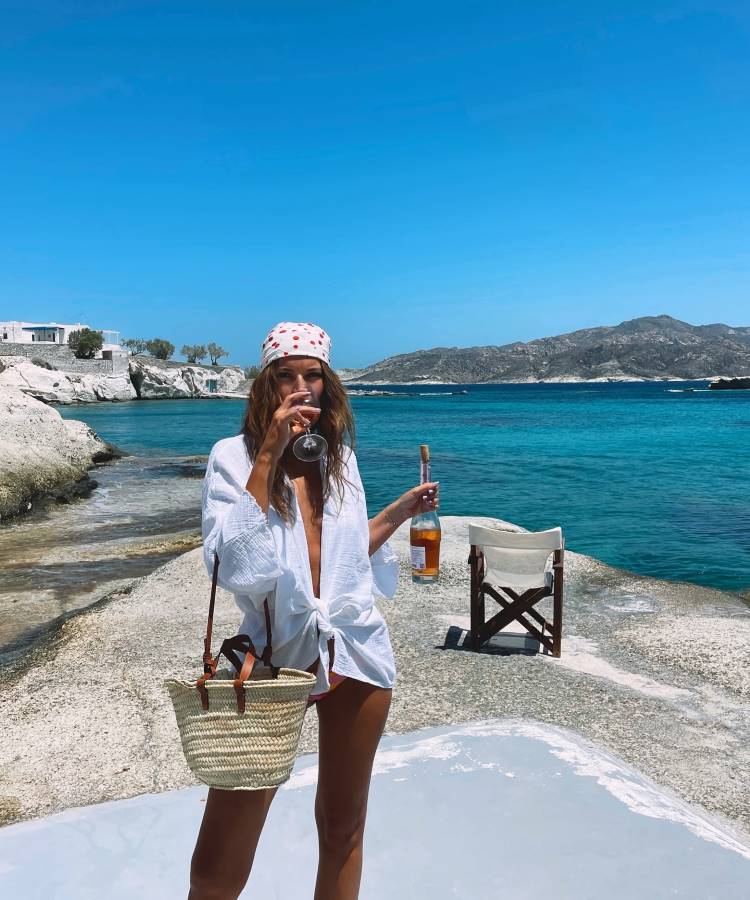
pixel 515 606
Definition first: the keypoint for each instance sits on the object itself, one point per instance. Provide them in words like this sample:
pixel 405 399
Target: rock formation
pixel 147 379
pixel 649 348
pixel 666 689
pixel 730 384
pixel 54 386
pixel 42 454
pixel 154 380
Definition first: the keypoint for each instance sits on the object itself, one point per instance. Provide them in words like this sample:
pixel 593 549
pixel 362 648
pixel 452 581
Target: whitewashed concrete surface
pixel 505 808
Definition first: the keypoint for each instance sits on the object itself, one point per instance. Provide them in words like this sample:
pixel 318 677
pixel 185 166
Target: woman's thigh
pixel 351 721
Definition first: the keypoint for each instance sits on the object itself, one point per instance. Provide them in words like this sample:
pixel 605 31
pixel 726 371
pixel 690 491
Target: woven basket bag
pixel 240 733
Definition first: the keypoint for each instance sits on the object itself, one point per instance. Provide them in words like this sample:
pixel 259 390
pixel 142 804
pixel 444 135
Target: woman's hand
pixel 422 498
pixel 290 420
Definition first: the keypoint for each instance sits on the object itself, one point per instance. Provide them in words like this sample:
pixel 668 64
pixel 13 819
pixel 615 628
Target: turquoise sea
pixel 651 477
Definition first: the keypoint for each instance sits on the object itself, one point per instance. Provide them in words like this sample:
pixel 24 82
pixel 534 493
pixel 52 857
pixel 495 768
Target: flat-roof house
pixel 51 333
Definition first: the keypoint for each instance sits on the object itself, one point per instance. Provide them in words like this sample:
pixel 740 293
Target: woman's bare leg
pixel 229 833
pixel 351 720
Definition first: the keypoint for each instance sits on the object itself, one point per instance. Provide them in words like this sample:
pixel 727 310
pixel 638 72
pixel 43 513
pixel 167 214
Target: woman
pixel 300 529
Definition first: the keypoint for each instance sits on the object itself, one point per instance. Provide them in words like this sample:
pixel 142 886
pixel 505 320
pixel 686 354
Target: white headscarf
pixel 295 339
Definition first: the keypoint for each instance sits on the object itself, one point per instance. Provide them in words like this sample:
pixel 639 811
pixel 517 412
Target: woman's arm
pixel 382 526
pixel 260 482
pixel 288 421
pixel 236 529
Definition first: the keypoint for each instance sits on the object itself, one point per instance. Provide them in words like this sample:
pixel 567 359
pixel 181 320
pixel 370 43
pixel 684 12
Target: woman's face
pixel 300 373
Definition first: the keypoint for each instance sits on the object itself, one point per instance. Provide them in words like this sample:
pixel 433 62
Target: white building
pixel 50 333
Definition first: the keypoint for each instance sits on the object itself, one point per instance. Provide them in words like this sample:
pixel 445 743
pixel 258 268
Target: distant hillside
pixel 652 347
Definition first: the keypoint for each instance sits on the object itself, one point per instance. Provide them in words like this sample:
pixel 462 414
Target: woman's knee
pixel 214 880
pixel 340 832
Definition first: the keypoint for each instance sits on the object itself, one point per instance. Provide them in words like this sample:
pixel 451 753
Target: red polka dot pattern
pixel 286 338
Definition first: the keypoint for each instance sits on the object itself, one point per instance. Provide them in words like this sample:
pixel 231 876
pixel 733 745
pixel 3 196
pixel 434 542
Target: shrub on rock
pixel 85 343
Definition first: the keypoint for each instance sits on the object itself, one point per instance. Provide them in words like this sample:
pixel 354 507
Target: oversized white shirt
pixel 264 557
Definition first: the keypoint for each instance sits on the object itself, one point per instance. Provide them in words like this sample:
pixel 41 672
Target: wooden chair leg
pixel 477 599
pixel 557 604
pixel 513 604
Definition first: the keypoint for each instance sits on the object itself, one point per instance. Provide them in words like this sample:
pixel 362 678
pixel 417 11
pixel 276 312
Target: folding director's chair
pixel 514 569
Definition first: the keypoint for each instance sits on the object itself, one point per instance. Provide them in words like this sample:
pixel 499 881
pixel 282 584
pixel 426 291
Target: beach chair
pixel 518 570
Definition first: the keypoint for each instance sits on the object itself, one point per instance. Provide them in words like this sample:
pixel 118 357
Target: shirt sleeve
pixel 383 562
pixel 236 528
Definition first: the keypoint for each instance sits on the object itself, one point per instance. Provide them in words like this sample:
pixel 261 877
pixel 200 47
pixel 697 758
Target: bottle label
pixel 418 558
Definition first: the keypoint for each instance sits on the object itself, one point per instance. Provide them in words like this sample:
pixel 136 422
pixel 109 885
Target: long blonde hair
pixel 336 424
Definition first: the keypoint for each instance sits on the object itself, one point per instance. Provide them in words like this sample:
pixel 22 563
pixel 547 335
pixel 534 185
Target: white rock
pixel 40 452
pixel 54 386
pixel 112 387
pixel 158 381
pixel 152 382
pixel 105 729
pixel 230 380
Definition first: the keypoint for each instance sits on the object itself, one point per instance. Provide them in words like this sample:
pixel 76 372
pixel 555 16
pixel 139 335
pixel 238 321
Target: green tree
pixel 137 346
pixel 160 348
pixel 194 352
pixel 85 343
pixel 216 352
pixel 252 371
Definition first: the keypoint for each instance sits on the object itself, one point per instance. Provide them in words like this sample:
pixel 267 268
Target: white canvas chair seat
pixel 517 570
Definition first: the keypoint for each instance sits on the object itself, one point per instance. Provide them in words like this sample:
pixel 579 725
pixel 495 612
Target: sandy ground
pixel 651 671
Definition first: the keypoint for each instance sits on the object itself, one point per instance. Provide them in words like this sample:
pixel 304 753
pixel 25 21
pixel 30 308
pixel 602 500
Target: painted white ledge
pixel 502 808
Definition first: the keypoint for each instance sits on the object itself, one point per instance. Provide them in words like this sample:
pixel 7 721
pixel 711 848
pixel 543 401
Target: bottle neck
pixel 425 472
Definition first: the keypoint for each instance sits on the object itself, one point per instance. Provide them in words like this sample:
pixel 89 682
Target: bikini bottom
pixel 334 679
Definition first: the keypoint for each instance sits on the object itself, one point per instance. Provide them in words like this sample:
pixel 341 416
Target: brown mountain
pixel 652 347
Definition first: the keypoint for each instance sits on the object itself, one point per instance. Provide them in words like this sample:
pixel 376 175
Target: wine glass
pixel 309 447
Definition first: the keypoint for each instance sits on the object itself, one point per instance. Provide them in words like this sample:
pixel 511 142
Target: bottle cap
pixel 424 451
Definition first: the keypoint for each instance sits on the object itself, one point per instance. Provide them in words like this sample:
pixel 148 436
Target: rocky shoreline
pixel 730 384
pixel 42 455
pixel 624 379
pixel 651 671
pixel 150 379
pixel 145 379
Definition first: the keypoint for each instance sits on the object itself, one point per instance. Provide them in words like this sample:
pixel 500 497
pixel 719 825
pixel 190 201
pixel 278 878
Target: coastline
pixel 354 385
pixel 650 671
pixel 44 456
pixel 143 379
pixel 62 557
pixel 560 380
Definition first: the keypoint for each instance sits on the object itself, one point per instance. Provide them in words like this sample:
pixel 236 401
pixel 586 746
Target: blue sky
pixel 408 175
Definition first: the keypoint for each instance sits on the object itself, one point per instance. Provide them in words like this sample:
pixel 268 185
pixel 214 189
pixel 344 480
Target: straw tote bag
pixel 240 733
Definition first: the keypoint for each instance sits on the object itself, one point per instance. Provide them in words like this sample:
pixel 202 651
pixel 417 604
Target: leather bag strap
pixel 230 647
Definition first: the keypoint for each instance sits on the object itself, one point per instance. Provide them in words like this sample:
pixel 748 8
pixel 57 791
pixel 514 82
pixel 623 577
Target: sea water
pixel 651 477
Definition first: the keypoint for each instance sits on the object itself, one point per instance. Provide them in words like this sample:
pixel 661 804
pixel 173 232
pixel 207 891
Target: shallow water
pixel 58 559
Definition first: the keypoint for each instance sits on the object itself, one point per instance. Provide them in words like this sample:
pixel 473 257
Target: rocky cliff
pixel 54 386
pixel 654 347
pixel 42 454
pixel 148 379
pixel 154 380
